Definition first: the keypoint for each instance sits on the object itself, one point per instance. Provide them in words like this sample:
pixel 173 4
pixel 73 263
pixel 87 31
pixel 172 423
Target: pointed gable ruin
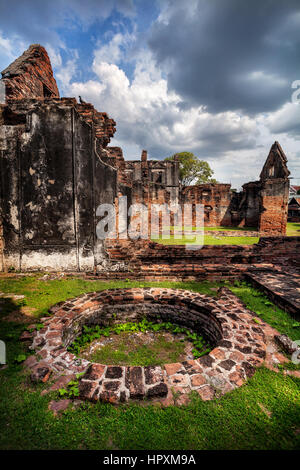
pixel 276 164
pixel 30 76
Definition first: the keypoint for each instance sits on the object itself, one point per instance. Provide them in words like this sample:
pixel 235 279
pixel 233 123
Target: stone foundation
pixel 152 261
pixel 240 344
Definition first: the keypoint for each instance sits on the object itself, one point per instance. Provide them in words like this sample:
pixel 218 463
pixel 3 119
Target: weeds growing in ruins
pixel 143 355
pixel 265 309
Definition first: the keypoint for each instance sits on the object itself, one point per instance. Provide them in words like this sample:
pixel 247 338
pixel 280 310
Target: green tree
pixel 192 170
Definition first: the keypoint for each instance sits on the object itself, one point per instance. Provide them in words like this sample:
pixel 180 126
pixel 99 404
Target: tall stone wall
pixel 104 127
pixel 54 182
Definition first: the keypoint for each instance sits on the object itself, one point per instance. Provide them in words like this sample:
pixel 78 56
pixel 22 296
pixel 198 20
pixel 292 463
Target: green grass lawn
pixel 126 350
pixel 142 343
pixel 219 228
pixel 210 240
pixel 293 229
pixel 262 414
pixel 232 229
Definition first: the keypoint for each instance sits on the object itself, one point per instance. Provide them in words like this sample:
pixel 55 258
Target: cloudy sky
pixel 213 77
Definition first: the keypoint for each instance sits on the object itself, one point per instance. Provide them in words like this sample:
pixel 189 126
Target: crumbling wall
pixel 104 127
pixel 151 261
pixel 261 204
pixel 274 207
pixel 114 157
pixel 153 182
pixel 54 177
pixel 274 193
pixel 54 181
pixel 216 200
pixel 30 76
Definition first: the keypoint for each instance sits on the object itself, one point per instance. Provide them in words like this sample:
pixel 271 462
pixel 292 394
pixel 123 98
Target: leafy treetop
pixel 192 170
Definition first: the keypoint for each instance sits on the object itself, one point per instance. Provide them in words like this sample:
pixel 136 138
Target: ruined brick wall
pixel 54 182
pixel 261 204
pixel 151 261
pixel 267 250
pixel 30 76
pixel 114 157
pixel 274 207
pixel 216 199
pixel 152 182
pixel 54 176
pixel 274 193
pixel 104 127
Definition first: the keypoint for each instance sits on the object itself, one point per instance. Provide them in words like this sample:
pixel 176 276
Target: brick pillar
pixel 274 204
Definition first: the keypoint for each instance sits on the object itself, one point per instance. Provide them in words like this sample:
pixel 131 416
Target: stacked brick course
pixel 30 76
pixel 216 199
pixel 104 127
pixel 149 258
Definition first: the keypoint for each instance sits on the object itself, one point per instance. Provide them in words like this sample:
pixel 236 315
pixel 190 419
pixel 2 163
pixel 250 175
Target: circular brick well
pixel 237 340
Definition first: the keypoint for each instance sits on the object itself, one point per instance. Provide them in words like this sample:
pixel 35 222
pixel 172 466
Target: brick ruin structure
pixel 57 167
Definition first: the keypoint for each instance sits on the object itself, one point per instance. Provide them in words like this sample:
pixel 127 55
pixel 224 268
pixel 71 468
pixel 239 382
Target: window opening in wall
pixel 271 171
pixel 46 92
